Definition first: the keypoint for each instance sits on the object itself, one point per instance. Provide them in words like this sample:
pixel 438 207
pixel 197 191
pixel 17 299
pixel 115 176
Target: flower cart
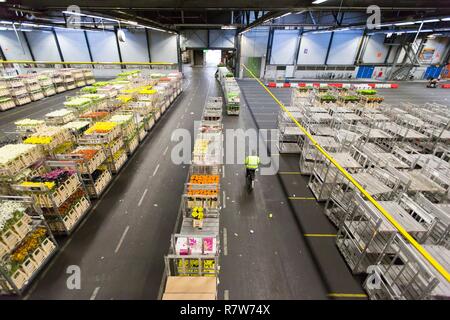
pixel 78 76
pixel 130 134
pixel 59 117
pixel 33 87
pixel 78 104
pixel 91 166
pixel 77 127
pixel 178 76
pixel 47 85
pixel 52 139
pixel 88 75
pixel 27 126
pixel 164 97
pixel 18 90
pixel 68 79
pixel 26 243
pixel 94 116
pixel 325 100
pixel 108 135
pixel 98 101
pixel 17 162
pixel 60 194
pixel 58 81
pixel 6 99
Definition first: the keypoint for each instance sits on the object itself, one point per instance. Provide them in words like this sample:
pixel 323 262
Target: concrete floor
pixel 120 246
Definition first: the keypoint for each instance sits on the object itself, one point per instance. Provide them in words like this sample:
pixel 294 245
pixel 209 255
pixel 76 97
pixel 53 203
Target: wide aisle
pixel 120 247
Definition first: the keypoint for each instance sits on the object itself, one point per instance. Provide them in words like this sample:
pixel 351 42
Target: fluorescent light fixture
pixel 132 22
pixel 319 1
pixel 386 25
pixel 228 27
pixel 404 23
pixel 445 19
pixel 430 20
pixel 284 15
pixel 6 22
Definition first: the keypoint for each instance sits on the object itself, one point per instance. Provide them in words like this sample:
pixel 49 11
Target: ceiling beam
pixel 270 5
pixel 263 19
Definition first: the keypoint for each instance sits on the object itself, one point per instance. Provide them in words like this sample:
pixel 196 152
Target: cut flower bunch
pixel 10 213
pixel 28 246
pixel 101 127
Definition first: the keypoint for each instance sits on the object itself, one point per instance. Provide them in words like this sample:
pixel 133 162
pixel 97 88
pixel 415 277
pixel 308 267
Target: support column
pixel 329 47
pixel 57 45
pixel 180 62
pixel 118 47
pixel 28 45
pixel 147 38
pixel 88 47
pixel 237 59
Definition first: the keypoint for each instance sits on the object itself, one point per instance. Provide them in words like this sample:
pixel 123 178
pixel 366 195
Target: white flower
pixel 13 151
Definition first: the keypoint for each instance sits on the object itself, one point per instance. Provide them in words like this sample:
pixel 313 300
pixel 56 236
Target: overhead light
pixel 132 22
pixel 228 27
pixel 6 22
pixel 445 19
pixel 431 20
pixel 404 23
pixel 318 1
pixel 284 15
pixel 386 25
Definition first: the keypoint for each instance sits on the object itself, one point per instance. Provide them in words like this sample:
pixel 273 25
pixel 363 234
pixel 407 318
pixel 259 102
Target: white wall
pixel 344 47
pixel 135 48
pixel 376 50
pixel 163 47
pixel 284 46
pixel 221 38
pixel 43 45
pixel 313 48
pixel 103 46
pixel 11 46
pixel 254 44
pixel 73 45
pixel 194 39
pixel 439 45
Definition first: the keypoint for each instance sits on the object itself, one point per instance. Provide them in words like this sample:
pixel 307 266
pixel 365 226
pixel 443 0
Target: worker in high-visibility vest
pixel 251 165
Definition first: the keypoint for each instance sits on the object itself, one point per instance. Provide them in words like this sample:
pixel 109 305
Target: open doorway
pixel 213 57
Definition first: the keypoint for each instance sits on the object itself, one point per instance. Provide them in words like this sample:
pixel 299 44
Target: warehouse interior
pixel 128 131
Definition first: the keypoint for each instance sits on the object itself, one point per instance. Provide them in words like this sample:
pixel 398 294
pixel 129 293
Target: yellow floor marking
pixel 301 198
pixel 347 295
pixel 358 186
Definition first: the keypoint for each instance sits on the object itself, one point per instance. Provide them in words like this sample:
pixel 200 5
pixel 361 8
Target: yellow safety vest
pixel 252 162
